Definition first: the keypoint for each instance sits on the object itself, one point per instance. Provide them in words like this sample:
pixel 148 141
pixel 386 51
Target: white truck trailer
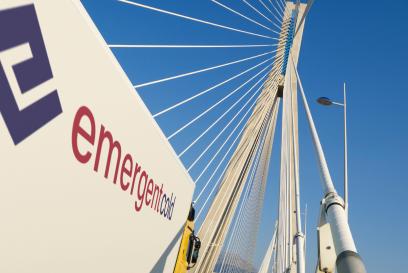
pixel 88 182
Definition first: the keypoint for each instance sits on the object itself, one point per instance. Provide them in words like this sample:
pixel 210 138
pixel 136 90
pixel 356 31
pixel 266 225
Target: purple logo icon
pixel 20 30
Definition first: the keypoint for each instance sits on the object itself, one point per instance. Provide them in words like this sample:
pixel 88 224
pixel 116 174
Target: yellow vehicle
pixel 189 247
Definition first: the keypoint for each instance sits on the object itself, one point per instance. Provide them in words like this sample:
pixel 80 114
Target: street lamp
pixel 328 102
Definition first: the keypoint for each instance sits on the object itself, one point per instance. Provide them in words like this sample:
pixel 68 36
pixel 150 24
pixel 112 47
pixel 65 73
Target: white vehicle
pixel 86 174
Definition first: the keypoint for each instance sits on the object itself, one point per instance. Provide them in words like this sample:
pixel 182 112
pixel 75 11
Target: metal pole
pixel 346 200
pixel 327 182
pixel 305 228
pixel 299 236
pixel 348 260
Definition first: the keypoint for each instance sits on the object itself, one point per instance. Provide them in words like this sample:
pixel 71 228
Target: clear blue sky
pixel 361 42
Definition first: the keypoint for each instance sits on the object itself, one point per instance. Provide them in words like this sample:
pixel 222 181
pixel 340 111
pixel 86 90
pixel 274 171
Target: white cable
pixel 256 10
pixel 202 70
pixel 204 236
pixel 281 3
pixel 233 260
pixel 249 184
pixel 221 175
pixel 260 13
pixel 210 161
pixel 220 101
pixel 283 8
pixel 223 115
pixel 242 240
pixel 243 203
pixel 243 228
pixel 199 157
pixel 214 105
pixel 194 19
pixel 266 7
pixel 261 176
pixel 278 11
pixel 243 16
pixel 187 46
pixel 277 19
pixel 258 194
pixel 219 134
pixel 218 181
pixel 208 90
pixel 219 150
pixel 278 7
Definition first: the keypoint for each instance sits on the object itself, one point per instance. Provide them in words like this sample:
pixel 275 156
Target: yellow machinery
pixel 189 247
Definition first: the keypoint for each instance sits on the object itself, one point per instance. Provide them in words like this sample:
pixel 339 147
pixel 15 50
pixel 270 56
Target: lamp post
pixel 347 260
pixel 328 102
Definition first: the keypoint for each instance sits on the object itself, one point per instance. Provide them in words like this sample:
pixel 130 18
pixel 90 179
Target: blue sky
pixel 361 42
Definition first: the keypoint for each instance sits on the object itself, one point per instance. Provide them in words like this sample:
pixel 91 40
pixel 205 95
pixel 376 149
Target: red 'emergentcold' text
pixel 131 176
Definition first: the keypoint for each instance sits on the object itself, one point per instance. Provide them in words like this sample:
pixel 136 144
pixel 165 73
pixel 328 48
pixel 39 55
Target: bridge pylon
pixel 260 125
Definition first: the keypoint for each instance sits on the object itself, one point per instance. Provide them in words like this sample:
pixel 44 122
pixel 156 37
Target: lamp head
pixel 324 101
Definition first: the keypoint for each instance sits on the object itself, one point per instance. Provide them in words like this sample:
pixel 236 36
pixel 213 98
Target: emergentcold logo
pixel 24 65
